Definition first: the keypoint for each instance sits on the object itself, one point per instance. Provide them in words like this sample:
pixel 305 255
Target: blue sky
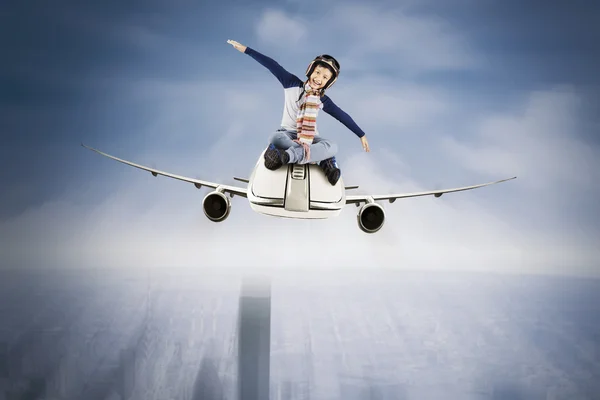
pixel 450 94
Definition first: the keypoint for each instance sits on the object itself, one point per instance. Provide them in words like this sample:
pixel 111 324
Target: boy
pixel 297 140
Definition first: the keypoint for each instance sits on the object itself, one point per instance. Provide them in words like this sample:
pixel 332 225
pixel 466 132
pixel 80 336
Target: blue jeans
pixel 320 149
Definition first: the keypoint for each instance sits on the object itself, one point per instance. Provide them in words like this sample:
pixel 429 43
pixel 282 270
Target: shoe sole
pixel 337 175
pixel 272 160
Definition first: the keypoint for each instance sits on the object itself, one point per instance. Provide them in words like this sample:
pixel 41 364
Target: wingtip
pixel 508 179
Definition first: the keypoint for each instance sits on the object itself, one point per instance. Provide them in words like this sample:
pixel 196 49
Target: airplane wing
pixel 357 199
pixel 233 190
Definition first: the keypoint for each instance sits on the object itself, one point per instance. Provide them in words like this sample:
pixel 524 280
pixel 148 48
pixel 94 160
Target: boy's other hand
pixel 365 144
pixel 238 46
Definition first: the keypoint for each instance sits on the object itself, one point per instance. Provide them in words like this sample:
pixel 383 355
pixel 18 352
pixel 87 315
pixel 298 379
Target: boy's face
pixel 319 77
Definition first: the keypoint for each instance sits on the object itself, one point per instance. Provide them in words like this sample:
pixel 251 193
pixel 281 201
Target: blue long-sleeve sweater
pixel 292 87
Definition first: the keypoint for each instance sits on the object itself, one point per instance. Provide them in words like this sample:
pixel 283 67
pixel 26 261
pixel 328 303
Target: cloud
pixel 199 123
pixel 402 109
pixel 358 33
pixel 544 145
pixel 424 42
pixel 278 29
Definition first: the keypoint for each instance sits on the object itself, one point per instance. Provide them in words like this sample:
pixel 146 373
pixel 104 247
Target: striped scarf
pixel 306 121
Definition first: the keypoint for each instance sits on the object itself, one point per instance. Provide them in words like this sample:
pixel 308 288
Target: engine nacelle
pixel 216 206
pixel 370 217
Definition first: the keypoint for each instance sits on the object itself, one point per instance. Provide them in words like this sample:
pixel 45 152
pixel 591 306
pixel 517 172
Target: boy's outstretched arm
pixel 286 78
pixel 332 109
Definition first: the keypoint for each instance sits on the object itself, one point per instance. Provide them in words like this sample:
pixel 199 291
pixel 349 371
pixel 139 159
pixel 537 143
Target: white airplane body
pixel 294 191
pixel 299 191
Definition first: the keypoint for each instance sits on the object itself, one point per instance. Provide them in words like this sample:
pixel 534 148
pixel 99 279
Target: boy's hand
pixel 365 143
pixel 238 46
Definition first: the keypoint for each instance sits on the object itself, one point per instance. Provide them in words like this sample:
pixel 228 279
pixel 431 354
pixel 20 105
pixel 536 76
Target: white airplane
pixel 294 191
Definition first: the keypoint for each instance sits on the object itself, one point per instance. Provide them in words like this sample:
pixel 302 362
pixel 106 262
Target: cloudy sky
pixel 450 93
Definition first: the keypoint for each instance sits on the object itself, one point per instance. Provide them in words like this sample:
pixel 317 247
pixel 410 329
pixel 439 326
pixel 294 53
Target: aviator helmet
pixel 331 62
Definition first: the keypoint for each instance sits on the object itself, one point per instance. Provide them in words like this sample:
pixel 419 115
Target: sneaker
pixel 275 158
pixel 332 172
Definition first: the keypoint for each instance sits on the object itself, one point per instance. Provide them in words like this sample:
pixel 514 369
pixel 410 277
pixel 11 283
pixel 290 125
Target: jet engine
pixel 216 206
pixel 371 217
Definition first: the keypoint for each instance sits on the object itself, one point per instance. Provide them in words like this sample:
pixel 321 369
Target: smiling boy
pixel 297 140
